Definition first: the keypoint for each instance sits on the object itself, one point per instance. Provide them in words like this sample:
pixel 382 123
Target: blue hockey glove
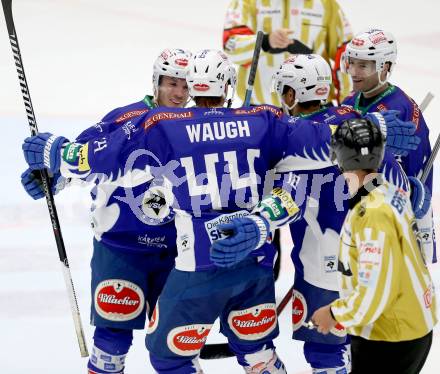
pixel 33 185
pixel 399 134
pixel 43 151
pixel 245 235
pixel 420 197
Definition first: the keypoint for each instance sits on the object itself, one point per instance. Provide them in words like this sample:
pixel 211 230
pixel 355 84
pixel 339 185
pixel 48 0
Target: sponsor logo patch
pixel 118 300
pixel 70 153
pixel 321 91
pixel 299 310
pixel 378 38
pixel 131 114
pixel 155 118
pixel 188 340
pixel 330 264
pixel 201 87
pixel 154 320
pixel 253 323
pixel 211 226
pixel 260 108
pixel 339 330
pixel 83 162
pixel 181 62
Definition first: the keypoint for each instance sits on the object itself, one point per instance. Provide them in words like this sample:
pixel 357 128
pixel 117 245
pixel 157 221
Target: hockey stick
pixel 222 350
pixel 7 10
pixel 253 70
pixel 427 169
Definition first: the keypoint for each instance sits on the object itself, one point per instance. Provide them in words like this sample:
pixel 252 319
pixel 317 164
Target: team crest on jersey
pixel 253 323
pixel 299 310
pixel 118 300
pixel 154 319
pixel 188 340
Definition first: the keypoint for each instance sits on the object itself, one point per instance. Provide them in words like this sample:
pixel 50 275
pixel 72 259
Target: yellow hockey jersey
pixel 320 24
pixel 387 291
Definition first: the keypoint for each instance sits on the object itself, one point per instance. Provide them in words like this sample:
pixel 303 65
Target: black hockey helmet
pixel 358 144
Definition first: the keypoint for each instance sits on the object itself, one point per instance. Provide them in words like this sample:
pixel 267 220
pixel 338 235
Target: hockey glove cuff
pixel 43 151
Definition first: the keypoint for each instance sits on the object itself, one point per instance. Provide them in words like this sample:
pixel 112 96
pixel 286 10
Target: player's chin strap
pixel 380 84
pixel 287 108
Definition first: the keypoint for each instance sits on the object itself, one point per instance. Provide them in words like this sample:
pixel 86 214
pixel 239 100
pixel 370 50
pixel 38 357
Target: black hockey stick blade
pixel 7 10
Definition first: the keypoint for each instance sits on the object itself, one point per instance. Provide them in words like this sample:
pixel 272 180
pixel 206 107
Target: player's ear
pixel 289 96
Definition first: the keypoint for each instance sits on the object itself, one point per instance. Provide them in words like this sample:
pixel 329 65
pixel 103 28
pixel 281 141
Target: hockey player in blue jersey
pixel 212 162
pixel 369 59
pixel 132 253
pixel 303 83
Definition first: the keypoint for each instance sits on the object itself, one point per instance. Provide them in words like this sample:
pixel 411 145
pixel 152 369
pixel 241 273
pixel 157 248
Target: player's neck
pixel 376 92
pixel 299 110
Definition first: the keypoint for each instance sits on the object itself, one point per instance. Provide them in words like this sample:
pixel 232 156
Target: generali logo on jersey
pixel 165 116
pixel 118 300
pixel 253 323
pixel 299 310
pixel 131 114
pixel 188 340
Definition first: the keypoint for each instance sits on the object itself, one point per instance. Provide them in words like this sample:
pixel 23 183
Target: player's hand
pixel 280 38
pixel 244 235
pixel 43 151
pixel 33 185
pixel 420 197
pixel 400 138
pixel 323 320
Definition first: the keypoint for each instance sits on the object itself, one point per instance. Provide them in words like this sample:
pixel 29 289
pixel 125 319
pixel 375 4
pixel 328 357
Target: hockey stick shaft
pixel 428 166
pixel 253 70
pixel 7 10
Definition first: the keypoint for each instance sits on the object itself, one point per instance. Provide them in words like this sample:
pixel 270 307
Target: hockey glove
pixel 43 151
pixel 31 181
pixel 399 134
pixel 245 235
pixel 420 197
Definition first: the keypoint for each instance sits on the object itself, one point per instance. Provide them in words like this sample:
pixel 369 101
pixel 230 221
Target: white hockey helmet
pixel 371 45
pixel 171 63
pixel 209 72
pixel 309 76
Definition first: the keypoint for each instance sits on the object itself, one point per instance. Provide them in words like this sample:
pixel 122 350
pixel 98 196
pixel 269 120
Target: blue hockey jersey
pixel 323 196
pixel 114 221
pixel 395 99
pixel 214 161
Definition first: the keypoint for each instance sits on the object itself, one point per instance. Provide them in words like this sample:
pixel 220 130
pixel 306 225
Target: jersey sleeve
pixel 239 35
pixel 121 158
pixel 305 144
pixel 376 271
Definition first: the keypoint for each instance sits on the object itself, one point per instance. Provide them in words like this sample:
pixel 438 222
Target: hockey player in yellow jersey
pixel 290 26
pixel 387 301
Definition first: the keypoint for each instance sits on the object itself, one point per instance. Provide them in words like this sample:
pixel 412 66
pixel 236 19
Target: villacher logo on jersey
pixel 118 300
pixel 253 323
pixel 188 340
